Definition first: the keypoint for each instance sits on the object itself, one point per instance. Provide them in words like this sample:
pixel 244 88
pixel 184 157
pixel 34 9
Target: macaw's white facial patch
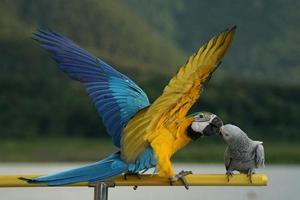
pixel 199 126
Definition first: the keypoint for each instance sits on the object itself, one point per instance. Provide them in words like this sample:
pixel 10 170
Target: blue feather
pixel 101 170
pixel 104 169
pixel 145 161
pixel 116 97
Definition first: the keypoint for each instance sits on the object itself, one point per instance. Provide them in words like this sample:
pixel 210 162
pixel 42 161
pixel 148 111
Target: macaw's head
pixel 204 124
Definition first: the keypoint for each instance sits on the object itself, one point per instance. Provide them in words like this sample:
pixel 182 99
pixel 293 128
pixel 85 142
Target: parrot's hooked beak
pixel 214 127
pixel 205 124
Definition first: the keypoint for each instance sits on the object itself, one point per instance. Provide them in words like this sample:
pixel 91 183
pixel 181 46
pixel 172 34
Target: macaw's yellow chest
pixel 169 139
pixel 165 142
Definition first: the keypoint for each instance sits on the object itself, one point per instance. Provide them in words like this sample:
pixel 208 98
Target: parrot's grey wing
pixel 260 155
pixel 227 159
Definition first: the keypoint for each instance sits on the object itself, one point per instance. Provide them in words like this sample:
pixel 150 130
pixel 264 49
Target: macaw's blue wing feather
pixel 145 161
pixel 104 169
pixel 115 96
pixel 101 170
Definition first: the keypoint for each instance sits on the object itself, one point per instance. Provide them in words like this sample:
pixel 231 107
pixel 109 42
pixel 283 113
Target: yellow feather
pixel 160 119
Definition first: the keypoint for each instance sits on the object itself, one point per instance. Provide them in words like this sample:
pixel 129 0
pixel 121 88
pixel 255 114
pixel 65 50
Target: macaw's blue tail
pixel 101 170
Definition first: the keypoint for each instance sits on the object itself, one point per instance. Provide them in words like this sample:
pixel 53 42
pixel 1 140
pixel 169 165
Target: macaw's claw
pixel 132 174
pixel 181 177
pixel 229 175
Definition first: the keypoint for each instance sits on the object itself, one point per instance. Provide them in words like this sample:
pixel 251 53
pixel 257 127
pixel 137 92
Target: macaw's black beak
pixel 214 127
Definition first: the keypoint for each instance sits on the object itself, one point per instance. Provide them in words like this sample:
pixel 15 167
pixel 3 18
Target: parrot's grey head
pixel 232 133
pixel 204 124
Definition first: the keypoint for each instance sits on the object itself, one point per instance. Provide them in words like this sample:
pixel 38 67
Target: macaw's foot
pixel 229 175
pixel 181 177
pixel 132 174
pixel 250 174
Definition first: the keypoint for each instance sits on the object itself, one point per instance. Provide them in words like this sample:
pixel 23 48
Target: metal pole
pixel 101 191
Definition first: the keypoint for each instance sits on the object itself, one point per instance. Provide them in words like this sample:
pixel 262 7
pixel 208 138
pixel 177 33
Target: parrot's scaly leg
pixel 250 174
pixel 136 174
pixel 132 174
pixel 181 177
pixel 229 175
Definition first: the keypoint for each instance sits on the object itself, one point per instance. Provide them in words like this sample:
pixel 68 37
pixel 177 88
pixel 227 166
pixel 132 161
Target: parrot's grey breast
pixel 244 159
pixel 242 153
pixel 242 166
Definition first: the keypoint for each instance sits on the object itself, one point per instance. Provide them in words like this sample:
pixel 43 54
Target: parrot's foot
pixel 229 175
pixel 132 174
pixel 181 177
pixel 250 174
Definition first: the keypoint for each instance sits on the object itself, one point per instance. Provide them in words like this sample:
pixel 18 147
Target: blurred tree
pixel 257 88
pixel 267 41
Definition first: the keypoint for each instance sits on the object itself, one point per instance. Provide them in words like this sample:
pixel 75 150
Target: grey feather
pixel 242 153
pixel 227 159
pixel 260 156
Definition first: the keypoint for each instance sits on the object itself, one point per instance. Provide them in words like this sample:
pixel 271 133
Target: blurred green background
pixel 44 116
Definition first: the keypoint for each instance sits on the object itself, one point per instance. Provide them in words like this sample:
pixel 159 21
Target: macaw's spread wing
pixel 178 96
pixel 186 87
pixel 115 96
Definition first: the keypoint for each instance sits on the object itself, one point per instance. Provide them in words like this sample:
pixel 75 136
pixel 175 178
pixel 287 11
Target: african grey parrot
pixel 242 153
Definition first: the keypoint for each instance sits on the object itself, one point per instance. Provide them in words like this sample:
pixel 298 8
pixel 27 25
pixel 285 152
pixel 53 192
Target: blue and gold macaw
pixel 147 135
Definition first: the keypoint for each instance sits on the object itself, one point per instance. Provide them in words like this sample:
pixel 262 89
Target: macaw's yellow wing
pixel 186 87
pixel 178 96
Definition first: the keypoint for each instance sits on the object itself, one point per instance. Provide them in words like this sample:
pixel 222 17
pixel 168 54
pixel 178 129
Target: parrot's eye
pixel 202 118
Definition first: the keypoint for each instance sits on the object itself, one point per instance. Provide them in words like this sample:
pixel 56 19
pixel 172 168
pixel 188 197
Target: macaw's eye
pixel 202 118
